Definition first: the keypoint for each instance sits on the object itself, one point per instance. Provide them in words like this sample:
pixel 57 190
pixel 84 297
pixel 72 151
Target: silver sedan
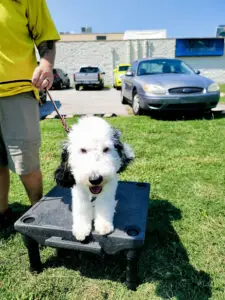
pixel 167 84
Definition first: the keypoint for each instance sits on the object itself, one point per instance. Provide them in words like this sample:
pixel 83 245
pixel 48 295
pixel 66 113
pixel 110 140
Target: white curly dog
pixel 91 158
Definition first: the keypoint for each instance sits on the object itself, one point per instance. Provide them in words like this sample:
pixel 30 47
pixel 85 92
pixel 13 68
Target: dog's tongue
pixel 96 189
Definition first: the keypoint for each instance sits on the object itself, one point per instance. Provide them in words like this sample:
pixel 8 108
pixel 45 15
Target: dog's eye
pixel 106 149
pixel 82 150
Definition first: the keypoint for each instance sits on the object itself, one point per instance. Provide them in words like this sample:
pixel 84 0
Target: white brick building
pixel 107 54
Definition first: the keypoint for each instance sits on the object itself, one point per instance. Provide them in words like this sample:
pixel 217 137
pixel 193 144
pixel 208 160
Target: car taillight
pixel 74 77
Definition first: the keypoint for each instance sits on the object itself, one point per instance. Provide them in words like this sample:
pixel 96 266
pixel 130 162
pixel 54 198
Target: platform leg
pixel 33 253
pixel 132 269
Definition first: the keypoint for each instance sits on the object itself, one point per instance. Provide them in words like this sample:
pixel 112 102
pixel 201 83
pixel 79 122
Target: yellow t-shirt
pixel 23 24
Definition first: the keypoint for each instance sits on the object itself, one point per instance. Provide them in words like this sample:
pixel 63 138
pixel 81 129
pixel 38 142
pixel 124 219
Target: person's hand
pixel 43 76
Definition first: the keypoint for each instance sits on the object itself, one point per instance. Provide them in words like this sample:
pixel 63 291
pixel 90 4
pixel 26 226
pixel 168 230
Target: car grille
pixel 186 90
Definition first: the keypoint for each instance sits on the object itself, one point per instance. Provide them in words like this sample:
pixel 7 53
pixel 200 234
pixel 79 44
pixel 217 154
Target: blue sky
pixel 190 18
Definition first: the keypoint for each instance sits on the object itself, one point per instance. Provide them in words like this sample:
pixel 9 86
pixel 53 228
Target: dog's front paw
pixel 81 232
pixel 103 227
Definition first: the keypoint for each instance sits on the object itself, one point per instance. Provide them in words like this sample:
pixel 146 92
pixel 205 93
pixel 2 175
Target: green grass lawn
pixel 183 256
pixel 222 87
pixel 222 90
pixel 222 100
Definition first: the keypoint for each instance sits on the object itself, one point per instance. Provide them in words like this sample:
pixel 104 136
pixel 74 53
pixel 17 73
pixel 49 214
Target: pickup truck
pixel 89 77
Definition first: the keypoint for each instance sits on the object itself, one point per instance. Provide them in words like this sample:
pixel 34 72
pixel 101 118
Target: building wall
pixel 81 37
pixel 107 54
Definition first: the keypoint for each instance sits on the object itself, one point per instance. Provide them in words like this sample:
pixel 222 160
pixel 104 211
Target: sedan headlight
pixel 213 87
pixel 154 89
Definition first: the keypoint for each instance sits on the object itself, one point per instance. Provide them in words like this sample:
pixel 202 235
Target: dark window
pixel 89 70
pixel 101 37
pixel 123 68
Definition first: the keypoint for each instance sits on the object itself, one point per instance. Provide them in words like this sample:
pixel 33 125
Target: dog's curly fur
pixel 91 158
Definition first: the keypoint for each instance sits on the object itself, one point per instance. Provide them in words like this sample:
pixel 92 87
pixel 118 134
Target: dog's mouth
pixel 96 189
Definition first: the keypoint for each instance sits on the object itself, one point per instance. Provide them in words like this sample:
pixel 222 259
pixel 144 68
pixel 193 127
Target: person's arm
pixel 43 74
pixel 43 31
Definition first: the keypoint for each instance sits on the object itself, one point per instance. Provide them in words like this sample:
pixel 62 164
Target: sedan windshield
pixel 163 66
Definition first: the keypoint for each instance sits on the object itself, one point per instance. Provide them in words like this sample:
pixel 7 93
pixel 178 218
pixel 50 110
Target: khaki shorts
pixel 20 133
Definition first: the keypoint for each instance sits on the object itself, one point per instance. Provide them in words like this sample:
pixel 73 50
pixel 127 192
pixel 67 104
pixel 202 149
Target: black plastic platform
pixel 49 222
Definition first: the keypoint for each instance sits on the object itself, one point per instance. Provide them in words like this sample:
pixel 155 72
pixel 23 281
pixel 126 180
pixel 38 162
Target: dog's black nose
pixel 95 179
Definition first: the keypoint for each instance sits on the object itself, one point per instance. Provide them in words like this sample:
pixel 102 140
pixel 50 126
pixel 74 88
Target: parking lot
pixel 106 102
pixel 71 102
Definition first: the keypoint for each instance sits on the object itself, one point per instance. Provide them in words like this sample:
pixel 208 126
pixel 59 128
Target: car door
pixel 65 78
pixel 126 83
pixel 61 75
pixel 129 81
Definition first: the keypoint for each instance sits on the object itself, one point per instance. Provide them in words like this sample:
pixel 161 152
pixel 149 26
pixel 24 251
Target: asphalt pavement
pixel 70 102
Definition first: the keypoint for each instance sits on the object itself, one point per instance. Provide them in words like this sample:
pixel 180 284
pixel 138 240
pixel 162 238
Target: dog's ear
pixel 124 150
pixel 63 175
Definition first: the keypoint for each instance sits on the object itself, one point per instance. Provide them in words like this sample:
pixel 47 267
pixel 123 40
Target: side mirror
pixel 197 72
pixel 129 74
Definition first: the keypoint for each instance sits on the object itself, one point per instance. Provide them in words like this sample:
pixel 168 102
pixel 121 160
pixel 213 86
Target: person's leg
pixel 4 171
pixel 33 185
pixel 4 188
pixel 21 135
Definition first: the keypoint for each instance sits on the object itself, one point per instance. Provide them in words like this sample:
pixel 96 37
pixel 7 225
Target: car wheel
pixel 77 87
pixel 114 82
pixel 208 115
pixel 123 99
pixel 68 85
pixel 61 85
pixel 136 105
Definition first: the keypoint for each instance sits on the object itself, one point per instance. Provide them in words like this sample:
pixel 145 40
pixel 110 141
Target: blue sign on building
pixel 200 47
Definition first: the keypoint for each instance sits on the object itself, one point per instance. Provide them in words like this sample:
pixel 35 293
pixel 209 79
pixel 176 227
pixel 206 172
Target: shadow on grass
pixel 18 210
pixel 106 88
pixel 219 114
pixel 186 115
pixel 163 260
